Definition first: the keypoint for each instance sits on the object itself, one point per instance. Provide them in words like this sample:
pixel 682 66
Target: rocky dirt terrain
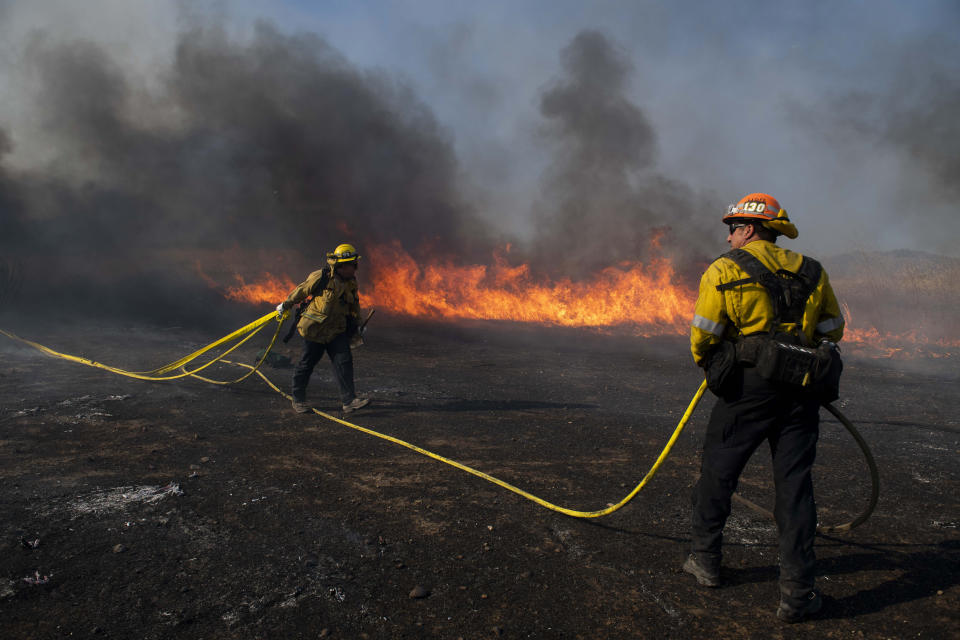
pixel 184 510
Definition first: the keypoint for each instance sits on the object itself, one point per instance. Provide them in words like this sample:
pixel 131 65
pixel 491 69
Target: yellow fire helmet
pixel 762 208
pixel 343 253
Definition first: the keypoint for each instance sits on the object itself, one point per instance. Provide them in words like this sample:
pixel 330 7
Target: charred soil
pixel 183 510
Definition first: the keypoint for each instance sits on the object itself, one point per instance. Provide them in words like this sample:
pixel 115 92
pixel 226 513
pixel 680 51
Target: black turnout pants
pixel 755 410
pixel 340 356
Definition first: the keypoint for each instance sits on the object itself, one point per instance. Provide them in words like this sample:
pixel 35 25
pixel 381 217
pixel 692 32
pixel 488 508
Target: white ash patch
pixel 565 536
pixel 119 497
pixel 747 530
pixel 82 400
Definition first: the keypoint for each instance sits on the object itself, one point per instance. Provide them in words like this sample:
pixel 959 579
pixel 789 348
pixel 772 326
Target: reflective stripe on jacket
pixel 747 308
pixel 326 316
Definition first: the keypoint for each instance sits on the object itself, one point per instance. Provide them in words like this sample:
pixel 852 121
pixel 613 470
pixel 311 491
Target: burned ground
pixel 182 510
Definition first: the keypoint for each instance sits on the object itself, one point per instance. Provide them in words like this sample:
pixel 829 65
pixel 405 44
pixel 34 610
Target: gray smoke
pixel 908 121
pixel 274 144
pixel 917 113
pixel 603 200
pixel 901 125
pixel 919 121
pixel 277 144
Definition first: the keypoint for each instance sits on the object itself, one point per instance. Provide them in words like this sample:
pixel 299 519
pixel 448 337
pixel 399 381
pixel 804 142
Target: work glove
pixel 281 309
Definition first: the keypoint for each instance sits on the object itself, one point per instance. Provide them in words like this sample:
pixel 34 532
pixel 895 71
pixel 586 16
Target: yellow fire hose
pixel 155 375
pixel 245 333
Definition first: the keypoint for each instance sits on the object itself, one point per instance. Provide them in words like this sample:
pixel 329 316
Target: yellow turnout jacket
pixel 747 309
pixel 326 316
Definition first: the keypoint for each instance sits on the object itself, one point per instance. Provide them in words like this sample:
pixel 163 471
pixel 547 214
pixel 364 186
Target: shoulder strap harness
pixel 321 284
pixel 788 291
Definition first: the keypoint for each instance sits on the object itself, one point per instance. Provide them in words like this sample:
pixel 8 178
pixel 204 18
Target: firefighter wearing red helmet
pixel 765 329
pixel 328 323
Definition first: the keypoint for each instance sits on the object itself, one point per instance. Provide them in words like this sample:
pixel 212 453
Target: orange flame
pixel 624 294
pixel 885 344
pixel 628 294
pixel 641 298
pixel 899 345
pixel 269 289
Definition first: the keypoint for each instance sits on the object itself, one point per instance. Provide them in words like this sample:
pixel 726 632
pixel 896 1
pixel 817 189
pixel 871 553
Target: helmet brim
pixel 732 217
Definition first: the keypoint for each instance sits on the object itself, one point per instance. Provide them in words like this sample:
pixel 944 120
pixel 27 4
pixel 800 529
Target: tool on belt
pixel 356 335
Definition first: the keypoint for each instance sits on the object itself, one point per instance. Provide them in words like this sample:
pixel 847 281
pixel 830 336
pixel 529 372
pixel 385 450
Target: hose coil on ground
pixel 874 481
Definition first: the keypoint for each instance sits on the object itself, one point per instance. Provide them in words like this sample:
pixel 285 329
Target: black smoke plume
pixel 262 154
pixel 277 145
pixel 603 200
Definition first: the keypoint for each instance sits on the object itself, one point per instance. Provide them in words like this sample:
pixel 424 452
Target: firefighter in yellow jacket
pixel 328 324
pixel 765 330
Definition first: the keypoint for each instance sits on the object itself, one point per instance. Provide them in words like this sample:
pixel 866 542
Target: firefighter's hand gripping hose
pixel 245 333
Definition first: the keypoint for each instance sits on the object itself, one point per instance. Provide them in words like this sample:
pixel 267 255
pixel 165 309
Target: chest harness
pixel 781 357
